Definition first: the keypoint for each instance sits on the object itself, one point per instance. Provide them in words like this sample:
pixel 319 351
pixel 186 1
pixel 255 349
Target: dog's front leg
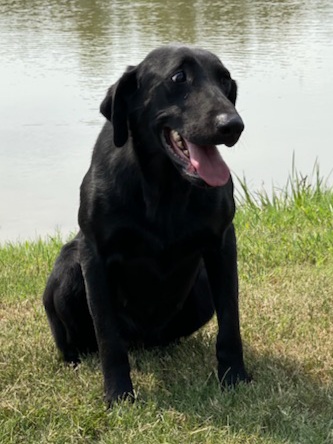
pixel 112 350
pixel 221 266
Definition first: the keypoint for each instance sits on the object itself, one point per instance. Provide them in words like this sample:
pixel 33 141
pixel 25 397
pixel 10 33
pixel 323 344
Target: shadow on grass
pixel 283 402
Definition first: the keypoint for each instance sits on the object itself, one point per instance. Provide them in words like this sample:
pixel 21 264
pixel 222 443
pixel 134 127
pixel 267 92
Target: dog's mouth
pixel 198 161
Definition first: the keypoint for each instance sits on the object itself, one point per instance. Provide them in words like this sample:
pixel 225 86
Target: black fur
pixel 156 252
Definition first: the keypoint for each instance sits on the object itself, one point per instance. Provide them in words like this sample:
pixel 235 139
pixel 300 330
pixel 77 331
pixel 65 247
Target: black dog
pixel 156 251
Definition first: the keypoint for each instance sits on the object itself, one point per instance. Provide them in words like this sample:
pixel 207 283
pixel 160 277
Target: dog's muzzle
pixel 229 128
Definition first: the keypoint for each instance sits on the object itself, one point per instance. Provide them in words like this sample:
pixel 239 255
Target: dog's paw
pixel 71 358
pixel 232 375
pixel 118 395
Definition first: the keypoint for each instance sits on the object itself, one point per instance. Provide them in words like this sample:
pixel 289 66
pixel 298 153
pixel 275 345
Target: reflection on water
pixel 59 57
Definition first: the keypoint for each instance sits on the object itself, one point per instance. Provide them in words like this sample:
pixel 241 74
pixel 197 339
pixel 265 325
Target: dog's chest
pixel 157 260
pixel 152 288
pixel 153 269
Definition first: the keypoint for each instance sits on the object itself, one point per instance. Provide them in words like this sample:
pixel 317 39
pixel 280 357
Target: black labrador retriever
pixel 156 255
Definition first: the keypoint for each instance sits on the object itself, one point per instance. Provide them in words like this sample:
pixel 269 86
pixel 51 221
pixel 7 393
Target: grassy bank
pixel 286 288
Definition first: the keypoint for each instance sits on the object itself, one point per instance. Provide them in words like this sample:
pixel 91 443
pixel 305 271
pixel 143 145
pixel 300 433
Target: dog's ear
pixel 115 106
pixel 232 96
pixel 106 106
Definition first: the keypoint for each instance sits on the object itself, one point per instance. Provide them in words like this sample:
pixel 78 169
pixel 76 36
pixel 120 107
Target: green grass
pixel 285 243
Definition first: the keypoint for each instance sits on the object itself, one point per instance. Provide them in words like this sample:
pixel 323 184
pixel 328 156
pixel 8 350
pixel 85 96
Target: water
pixel 57 59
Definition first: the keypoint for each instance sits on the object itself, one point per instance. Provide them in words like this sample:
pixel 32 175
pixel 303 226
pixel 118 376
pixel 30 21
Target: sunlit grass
pixel 285 243
pixel 290 225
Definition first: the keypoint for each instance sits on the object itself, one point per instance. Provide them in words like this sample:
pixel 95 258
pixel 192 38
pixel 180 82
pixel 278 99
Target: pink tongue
pixel 209 164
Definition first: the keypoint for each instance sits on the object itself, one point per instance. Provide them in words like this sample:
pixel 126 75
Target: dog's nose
pixel 229 125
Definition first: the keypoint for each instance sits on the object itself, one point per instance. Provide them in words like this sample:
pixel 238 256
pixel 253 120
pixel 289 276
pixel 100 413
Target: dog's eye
pixel 179 77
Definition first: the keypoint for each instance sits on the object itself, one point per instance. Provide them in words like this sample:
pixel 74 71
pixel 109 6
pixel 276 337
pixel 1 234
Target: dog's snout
pixel 229 127
pixel 229 124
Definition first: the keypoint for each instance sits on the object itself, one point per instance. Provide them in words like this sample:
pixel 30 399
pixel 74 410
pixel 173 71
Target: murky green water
pixel 57 58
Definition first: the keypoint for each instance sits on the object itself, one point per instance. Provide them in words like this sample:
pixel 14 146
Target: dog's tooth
pixel 175 134
pixel 186 153
pixel 177 138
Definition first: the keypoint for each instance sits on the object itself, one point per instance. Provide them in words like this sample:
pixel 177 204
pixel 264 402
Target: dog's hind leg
pixel 67 309
pixel 61 334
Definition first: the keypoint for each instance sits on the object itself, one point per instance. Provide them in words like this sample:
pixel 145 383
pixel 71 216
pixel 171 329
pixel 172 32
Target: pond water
pixel 57 59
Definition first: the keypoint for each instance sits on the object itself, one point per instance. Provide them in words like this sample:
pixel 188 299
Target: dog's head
pixel 180 101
